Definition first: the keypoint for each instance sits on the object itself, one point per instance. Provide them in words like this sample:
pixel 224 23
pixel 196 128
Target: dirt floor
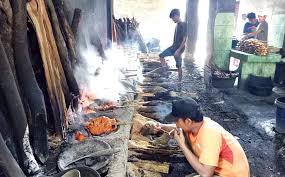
pixel 251 119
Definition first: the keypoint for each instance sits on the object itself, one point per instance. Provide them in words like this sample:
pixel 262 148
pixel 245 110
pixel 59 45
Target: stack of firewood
pixel 127 30
pixel 37 82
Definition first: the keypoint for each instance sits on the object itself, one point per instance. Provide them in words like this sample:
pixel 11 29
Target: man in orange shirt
pixel 213 150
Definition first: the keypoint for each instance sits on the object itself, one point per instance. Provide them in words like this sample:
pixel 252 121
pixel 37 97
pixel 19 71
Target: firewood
pixel 28 83
pixel 56 82
pixel 8 135
pixel 16 112
pixel 96 42
pixel 148 148
pixel 6 18
pixel 63 51
pixel 135 171
pixel 75 20
pixel 153 166
pixel 8 164
pixel 67 32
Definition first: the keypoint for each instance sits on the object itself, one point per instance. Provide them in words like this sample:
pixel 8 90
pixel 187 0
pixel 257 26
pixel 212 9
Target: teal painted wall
pixel 277 30
pixel 223 31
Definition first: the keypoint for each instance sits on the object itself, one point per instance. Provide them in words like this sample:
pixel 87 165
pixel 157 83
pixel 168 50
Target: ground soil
pixel 265 151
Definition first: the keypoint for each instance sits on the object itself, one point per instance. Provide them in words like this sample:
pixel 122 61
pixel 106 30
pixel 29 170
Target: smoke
pixel 100 78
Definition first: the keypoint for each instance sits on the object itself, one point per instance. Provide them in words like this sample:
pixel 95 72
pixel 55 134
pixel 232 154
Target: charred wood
pixel 28 83
pixel 8 136
pixel 16 112
pixel 67 32
pixel 56 82
pixel 8 164
pixel 75 20
pixel 6 22
pixel 96 42
pixel 63 51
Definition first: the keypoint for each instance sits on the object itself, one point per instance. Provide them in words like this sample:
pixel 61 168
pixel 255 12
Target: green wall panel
pixel 224 27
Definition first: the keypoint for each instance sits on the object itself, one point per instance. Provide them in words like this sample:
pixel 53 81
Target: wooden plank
pixel 146 147
pixel 153 166
pixel 75 20
pixel 54 74
pixel 63 51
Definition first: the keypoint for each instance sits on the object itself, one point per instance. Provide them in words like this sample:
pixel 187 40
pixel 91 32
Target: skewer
pixel 124 123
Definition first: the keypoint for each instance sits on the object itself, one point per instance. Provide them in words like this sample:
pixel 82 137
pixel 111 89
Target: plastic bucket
pixel 280 115
pixel 72 173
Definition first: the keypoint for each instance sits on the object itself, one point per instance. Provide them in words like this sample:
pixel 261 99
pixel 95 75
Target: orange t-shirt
pixel 214 146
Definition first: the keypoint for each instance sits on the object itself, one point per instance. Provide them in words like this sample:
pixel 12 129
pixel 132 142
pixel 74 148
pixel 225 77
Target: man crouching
pixel 214 151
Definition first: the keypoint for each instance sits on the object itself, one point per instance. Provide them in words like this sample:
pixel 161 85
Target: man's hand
pixel 253 28
pixel 179 137
pixel 157 126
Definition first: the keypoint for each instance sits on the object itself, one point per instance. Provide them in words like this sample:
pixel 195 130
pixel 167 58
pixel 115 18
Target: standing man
pixel 261 33
pixel 251 25
pixel 178 45
pixel 208 147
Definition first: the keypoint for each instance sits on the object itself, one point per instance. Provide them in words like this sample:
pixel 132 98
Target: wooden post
pixel 75 20
pixel 192 25
pixel 216 6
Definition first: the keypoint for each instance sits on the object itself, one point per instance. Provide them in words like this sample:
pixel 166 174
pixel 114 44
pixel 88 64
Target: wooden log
pixel 16 112
pixel 8 164
pixel 67 32
pixel 141 43
pixel 8 135
pixel 146 147
pixel 96 42
pixel 28 84
pixel 135 171
pixel 75 20
pixel 56 82
pixel 63 51
pixel 6 24
pixel 153 166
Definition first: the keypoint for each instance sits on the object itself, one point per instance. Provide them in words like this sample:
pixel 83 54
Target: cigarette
pixel 169 133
